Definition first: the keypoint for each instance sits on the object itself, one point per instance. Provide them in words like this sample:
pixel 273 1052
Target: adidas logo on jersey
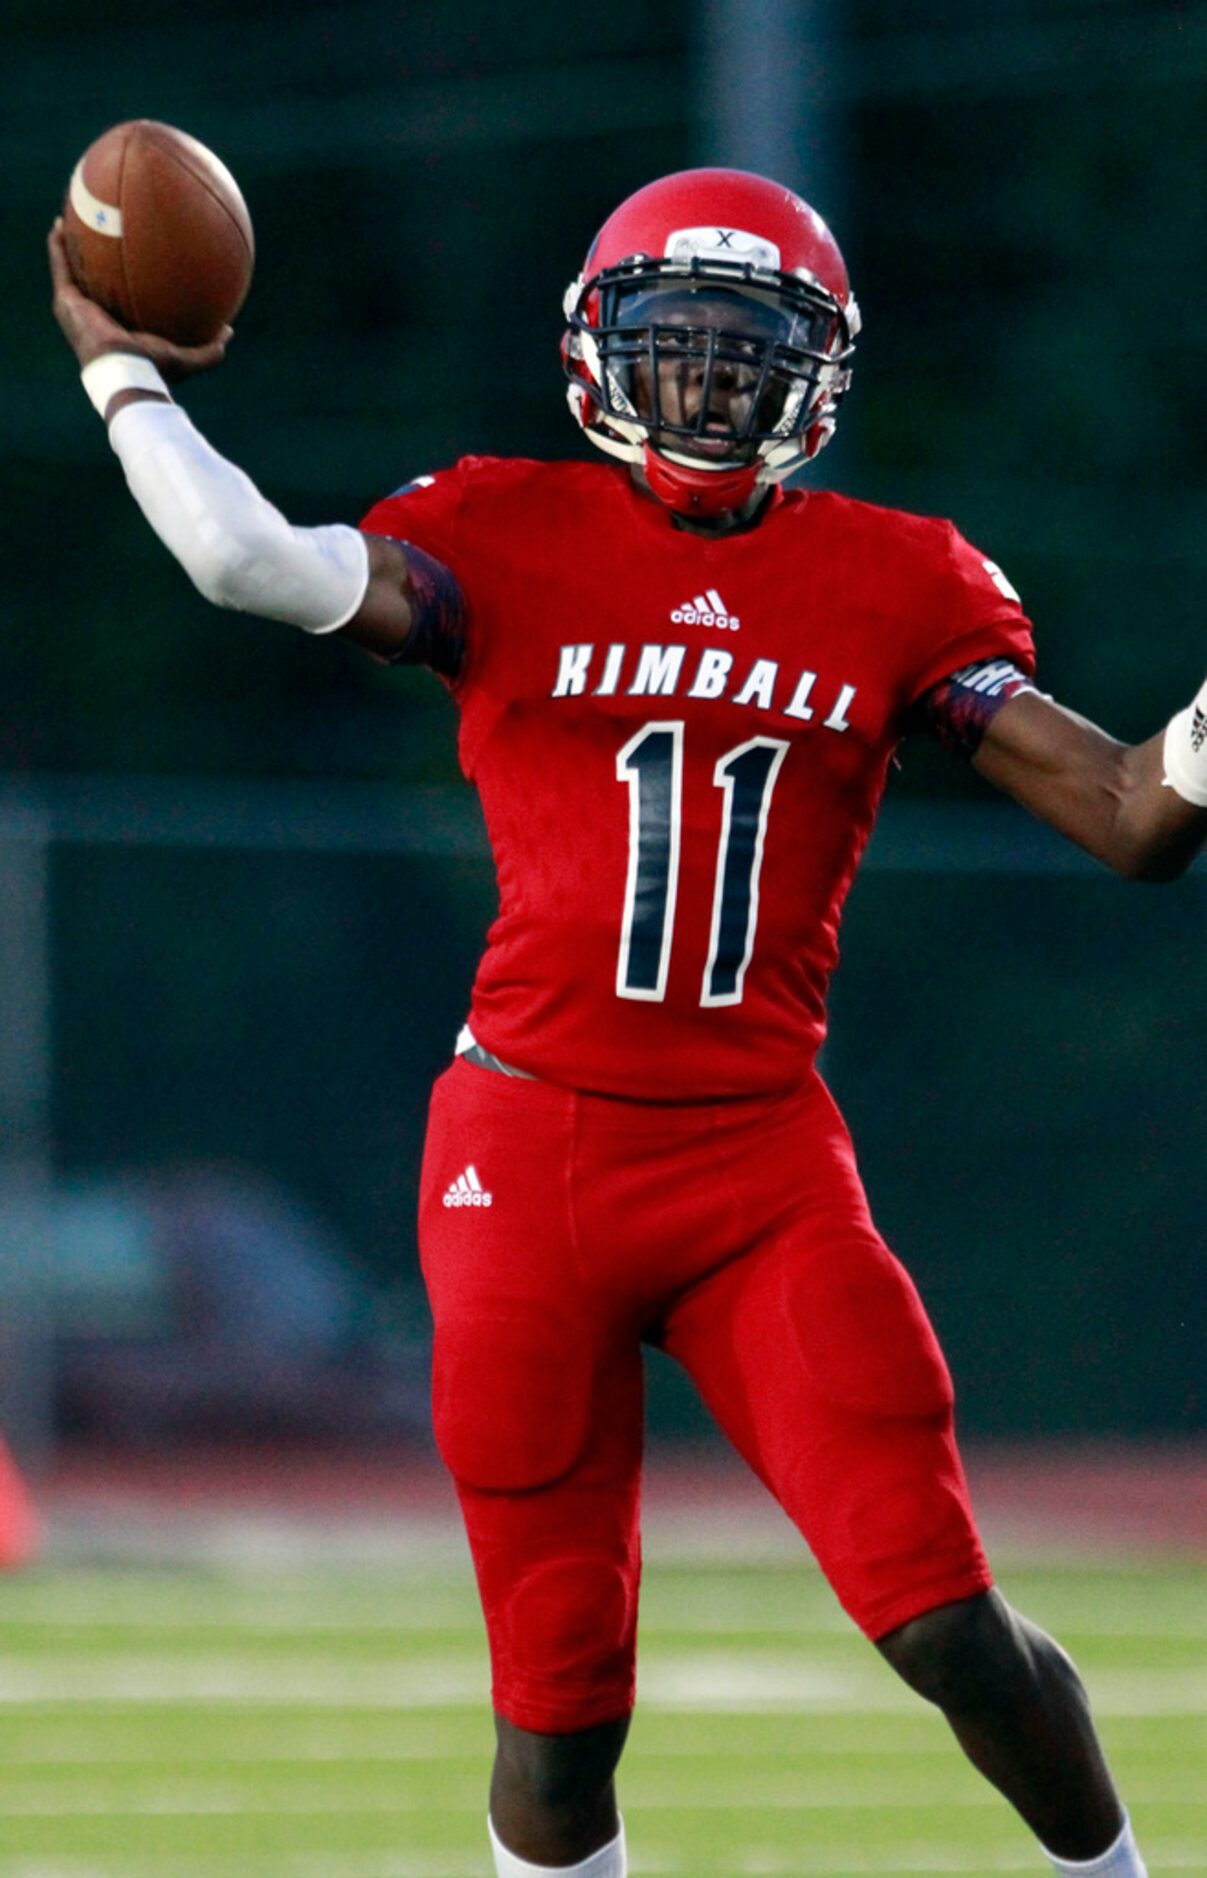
pixel 707 609
pixel 467 1190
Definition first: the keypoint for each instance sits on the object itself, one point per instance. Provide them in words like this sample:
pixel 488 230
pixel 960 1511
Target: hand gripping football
pixel 158 232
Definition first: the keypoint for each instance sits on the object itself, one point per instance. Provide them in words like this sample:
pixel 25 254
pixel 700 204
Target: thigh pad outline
pixel 864 1336
pixel 511 1394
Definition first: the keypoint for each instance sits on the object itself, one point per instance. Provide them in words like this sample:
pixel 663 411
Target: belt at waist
pixel 471 1051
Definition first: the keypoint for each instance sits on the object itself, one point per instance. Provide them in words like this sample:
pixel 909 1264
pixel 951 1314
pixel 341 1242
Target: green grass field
pixel 334 1722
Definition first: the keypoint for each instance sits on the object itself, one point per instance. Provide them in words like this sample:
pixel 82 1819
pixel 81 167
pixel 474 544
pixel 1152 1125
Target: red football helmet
pixel 710 336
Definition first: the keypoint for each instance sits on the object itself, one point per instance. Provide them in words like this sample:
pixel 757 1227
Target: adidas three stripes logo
pixel 467 1190
pixel 707 609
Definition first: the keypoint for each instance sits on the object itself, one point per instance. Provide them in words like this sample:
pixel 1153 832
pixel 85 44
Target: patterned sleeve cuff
pixel 961 707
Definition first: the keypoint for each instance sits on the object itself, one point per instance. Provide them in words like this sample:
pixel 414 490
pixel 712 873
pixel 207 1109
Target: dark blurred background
pixel 241 888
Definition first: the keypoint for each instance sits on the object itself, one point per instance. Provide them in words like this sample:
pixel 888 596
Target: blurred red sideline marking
pixel 1071 1494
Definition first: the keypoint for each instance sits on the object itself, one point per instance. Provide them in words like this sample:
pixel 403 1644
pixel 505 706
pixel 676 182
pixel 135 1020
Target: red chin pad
pixel 698 492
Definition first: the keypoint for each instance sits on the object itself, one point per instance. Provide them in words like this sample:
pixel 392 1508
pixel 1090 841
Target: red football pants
pixel 558 1232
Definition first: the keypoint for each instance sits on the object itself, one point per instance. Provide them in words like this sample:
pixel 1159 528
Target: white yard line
pixel 280 1865
pixel 719 1682
pixel 704 1682
pixel 379 1597
pixel 954 1859
pixel 155 1798
pixel 280 1618
pixel 55 1753
pixel 434 1682
pixel 307 1754
pixel 905 1861
pixel 143 1611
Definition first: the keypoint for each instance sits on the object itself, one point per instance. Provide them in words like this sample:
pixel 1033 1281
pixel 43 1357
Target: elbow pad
pixel 237 549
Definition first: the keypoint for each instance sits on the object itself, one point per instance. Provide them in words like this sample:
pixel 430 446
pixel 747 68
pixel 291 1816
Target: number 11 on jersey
pixel 651 764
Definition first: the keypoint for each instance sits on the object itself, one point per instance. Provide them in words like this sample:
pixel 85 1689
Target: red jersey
pixel 680 742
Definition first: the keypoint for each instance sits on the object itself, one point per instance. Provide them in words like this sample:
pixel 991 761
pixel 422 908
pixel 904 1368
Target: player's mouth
pixel 717 445
pixel 709 449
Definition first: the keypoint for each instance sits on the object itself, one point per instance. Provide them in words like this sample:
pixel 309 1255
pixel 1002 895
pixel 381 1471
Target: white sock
pixel 1120 1860
pixel 608 1862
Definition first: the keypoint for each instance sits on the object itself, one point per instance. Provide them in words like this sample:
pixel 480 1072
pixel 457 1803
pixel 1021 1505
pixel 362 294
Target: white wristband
pixel 1186 752
pixel 119 371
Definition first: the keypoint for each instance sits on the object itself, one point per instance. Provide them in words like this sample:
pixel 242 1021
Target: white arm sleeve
pixel 233 544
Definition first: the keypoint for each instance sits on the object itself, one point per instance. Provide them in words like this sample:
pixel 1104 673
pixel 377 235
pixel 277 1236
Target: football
pixel 158 232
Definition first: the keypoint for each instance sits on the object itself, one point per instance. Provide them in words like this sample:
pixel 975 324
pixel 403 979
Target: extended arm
pixel 1111 798
pixel 236 547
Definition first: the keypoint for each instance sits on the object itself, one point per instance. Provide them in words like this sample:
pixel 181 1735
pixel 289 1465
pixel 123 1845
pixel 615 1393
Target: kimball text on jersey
pixel 658 672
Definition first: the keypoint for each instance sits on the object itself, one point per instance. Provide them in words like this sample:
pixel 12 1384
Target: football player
pixel 680 687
